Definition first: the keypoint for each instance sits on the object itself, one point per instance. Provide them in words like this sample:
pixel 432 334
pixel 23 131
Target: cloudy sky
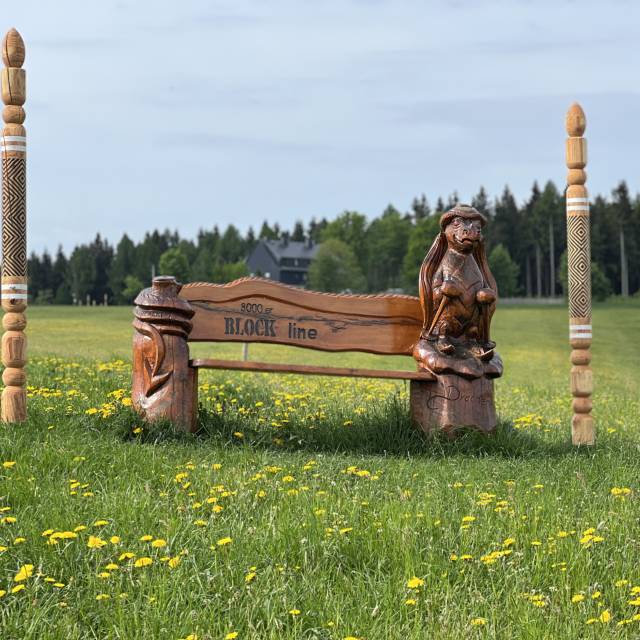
pixel 144 114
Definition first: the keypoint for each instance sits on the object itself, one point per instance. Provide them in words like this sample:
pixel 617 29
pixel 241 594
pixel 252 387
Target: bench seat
pixel 305 369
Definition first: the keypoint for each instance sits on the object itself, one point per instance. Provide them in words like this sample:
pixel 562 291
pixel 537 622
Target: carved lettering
pixel 250 327
pixel 266 327
pixel 301 333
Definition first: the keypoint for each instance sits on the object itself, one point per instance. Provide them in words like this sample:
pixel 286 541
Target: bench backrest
pixel 260 310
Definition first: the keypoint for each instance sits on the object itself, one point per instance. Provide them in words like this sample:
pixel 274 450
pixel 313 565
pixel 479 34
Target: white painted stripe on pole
pixel 575 207
pixel 580 336
pixel 14 287
pixel 12 147
pixel 13 139
pixel 577 200
pixel 15 296
pixel 580 327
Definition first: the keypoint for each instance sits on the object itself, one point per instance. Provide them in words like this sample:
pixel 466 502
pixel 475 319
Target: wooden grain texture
pixel 13 49
pixel 164 386
pixel 451 402
pixel 260 310
pixel 14 288
pixel 579 268
pixel 271 367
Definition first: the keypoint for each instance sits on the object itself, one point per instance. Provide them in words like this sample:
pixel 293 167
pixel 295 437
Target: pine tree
pixel 298 232
pixel 420 208
pixel 622 210
pixel 123 265
pixel 266 232
pixel 61 288
pixel 250 240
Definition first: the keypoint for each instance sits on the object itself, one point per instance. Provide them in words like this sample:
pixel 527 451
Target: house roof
pixel 281 249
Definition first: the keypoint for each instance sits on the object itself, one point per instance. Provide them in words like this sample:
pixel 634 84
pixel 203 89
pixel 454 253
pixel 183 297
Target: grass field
pixel 310 508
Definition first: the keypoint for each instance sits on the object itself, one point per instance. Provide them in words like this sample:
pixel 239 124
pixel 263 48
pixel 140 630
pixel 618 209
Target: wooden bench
pixel 253 310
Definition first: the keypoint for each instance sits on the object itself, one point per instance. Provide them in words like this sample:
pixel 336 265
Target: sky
pixel 160 114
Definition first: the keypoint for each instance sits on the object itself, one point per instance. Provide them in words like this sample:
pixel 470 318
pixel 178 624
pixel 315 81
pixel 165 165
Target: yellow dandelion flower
pixel 114 539
pixel 174 562
pixel 159 543
pixel 18 588
pixel 578 597
pixel 415 583
pixel 294 612
pixel 231 636
pixel 127 555
pixel 605 616
pixel 103 596
pixel 478 622
pixel 224 541
pixel 100 523
pixel 146 538
pixel 143 562
pixel 95 543
pixel 24 573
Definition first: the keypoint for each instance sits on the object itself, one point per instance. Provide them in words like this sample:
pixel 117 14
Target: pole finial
pixel 13 50
pixel 576 121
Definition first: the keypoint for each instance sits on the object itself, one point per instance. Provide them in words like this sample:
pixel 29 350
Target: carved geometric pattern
pixel 14 217
pixel 579 258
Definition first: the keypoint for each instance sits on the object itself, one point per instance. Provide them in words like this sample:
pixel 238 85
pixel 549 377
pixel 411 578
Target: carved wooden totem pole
pixel 458 296
pixel 579 262
pixel 13 151
pixel 164 385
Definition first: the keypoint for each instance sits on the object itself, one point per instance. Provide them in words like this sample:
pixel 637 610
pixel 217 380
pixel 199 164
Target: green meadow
pixel 309 507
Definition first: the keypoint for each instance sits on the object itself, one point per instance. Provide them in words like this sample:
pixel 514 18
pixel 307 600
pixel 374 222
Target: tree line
pixel 526 244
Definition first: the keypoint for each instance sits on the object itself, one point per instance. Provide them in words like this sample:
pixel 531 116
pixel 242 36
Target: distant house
pixel 282 260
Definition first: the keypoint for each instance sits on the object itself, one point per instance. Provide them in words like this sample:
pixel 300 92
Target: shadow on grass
pixel 385 431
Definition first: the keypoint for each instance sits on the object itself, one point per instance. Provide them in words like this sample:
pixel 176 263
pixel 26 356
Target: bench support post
pixel 450 402
pixel 164 385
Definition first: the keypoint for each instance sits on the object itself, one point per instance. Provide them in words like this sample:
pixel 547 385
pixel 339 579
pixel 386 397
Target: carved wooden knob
pixel 576 121
pixel 13 49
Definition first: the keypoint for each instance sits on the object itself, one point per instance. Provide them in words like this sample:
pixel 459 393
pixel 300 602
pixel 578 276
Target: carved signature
pixel 452 393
